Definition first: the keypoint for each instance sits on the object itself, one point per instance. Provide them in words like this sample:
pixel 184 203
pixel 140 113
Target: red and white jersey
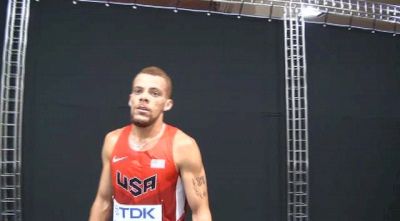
pixel 147 178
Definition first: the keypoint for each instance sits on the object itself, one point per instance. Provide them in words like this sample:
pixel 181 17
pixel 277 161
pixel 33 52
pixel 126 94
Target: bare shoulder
pixel 184 142
pixel 110 140
pixel 113 135
pixel 185 149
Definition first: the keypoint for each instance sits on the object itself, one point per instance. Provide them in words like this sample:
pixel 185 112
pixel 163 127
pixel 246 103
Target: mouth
pixel 143 109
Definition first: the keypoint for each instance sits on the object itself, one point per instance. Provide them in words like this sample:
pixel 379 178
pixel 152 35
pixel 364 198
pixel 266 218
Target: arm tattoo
pixel 198 183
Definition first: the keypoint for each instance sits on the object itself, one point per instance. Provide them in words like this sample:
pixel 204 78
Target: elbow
pixel 101 210
pixel 201 215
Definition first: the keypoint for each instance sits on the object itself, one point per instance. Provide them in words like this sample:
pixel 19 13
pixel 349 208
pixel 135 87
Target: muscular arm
pixel 188 160
pixel 102 206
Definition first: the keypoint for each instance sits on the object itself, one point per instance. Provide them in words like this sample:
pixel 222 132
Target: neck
pixel 142 133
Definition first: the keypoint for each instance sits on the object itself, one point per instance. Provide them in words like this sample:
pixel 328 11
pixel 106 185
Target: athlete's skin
pixel 149 99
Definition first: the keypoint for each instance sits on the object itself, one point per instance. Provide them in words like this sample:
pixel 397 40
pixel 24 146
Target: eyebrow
pixel 152 88
pixel 155 88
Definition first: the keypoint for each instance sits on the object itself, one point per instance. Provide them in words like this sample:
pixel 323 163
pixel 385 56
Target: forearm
pixel 100 211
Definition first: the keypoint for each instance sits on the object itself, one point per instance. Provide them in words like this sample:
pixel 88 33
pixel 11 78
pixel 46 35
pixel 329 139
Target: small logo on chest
pixel 116 159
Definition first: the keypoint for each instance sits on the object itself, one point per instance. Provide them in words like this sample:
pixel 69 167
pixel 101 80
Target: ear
pixel 168 104
pixel 130 100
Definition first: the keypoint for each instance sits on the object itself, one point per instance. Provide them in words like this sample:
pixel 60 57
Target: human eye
pixel 155 93
pixel 137 90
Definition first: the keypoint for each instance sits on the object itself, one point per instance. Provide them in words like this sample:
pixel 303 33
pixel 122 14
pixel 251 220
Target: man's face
pixel 148 99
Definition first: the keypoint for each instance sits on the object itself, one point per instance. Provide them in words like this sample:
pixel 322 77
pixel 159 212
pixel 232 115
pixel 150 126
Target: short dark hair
pixel 156 71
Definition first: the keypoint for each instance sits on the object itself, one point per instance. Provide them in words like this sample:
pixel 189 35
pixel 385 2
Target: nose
pixel 144 98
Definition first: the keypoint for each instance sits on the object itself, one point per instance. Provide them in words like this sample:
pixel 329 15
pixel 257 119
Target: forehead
pixel 149 81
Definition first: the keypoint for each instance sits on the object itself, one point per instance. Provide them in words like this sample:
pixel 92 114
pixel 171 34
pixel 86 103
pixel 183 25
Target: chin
pixel 142 123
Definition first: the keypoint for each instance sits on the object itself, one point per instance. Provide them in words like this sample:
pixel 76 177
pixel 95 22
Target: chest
pixel 152 166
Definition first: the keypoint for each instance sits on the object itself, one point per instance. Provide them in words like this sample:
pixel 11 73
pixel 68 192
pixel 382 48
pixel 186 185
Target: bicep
pixel 105 189
pixel 195 185
pixel 102 206
pixel 193 177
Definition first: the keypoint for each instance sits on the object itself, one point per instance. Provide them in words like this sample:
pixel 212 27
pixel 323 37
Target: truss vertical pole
pixel 296 115
pixel 11 105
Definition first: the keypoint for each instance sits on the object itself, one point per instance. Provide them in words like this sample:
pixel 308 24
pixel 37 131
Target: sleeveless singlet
pixel 147 178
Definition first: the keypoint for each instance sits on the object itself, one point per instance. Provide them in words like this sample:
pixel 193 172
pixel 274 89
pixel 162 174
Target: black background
pixel 227 91
pixel 354 88
pixel 228 79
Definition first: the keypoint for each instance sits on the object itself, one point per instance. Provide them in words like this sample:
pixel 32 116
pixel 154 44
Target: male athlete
pixel 150 169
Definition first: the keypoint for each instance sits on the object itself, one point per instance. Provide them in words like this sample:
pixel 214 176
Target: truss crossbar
pixel 11 101
pixel 296 116
pixel 359 9
pixel 363 9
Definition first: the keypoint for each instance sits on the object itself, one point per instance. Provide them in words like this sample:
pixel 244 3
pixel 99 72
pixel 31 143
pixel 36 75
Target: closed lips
pixel 143 108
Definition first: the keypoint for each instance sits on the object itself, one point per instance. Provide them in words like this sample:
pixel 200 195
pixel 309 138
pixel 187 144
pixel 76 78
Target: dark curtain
pixel 354 88
pixel 228 91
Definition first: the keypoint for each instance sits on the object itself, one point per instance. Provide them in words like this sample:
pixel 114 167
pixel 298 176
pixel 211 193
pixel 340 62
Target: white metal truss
pixel 296 116
pixel 11 102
